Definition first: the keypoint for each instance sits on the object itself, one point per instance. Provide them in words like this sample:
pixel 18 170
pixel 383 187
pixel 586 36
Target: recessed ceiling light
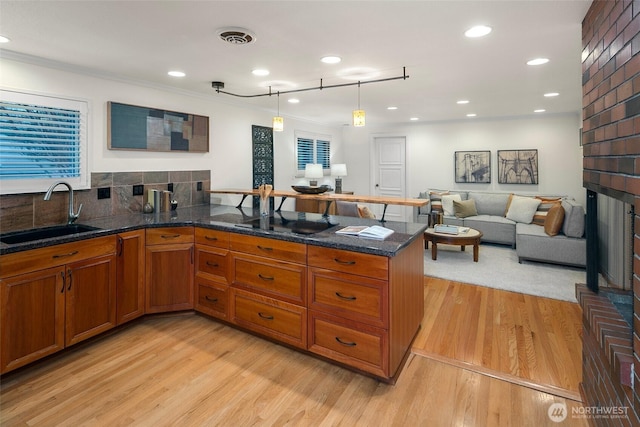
pixel 538 61
pixel 392 108
pixel 4 39
pixel 471 115
pixel 260 72
pixel 551 94
pixel 293 101
pixel 540 110
pixel 413 119
pixel 176 74
pixel 331 59
pixel 462 101
pixel 477 31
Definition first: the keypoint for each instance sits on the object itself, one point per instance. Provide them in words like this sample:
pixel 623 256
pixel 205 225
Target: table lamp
pixel 313 171
pixel 339 170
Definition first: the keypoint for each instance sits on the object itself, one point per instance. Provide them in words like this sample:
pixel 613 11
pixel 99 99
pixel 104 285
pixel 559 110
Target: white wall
pixel 431 147
pixel 230 152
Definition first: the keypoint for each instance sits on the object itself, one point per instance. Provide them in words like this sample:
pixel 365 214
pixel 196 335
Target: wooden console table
pixel 328 198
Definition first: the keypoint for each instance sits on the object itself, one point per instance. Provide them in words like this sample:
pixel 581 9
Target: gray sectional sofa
pixel 498 225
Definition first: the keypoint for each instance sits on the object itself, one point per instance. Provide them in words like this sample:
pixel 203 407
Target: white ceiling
pixel 141 41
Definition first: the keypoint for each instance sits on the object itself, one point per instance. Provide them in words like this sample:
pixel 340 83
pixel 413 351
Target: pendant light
pixel 278 121
pixel 358 115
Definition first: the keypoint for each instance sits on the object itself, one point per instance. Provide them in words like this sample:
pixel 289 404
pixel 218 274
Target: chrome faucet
pixel 72 216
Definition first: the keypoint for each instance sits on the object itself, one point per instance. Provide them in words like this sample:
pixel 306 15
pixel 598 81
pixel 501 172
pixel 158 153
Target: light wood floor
pixel 192 371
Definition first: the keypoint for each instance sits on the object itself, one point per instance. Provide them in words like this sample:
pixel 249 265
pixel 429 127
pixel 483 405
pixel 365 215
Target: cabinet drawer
pixel 213 262
pixel 270 317
pixel 346 295
pixel 169 235
pixel 216 238
pixel 212 298
pixel 375 266
pixel 278 249
pixel 354 344
pixel 52 256
pixel 282 280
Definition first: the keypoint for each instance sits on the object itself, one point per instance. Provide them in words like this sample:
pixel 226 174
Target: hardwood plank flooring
pixel 192 371
pixel 520 338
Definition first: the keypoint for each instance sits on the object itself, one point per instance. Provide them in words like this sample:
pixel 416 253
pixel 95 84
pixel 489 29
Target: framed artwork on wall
pixel 473 166
pixel 130 127
pixel 517 166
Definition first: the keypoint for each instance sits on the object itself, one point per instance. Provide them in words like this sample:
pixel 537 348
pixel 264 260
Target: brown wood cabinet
pixel 317 206
pixel 169 265
pixel 364 310
pixel 130 276
pixel 55 297
pixel 212 272
pixel 268 287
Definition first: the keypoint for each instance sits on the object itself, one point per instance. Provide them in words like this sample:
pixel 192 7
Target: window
pixel 43 139
pixel 312 149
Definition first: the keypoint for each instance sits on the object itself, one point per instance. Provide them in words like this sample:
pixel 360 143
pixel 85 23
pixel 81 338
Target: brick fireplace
pixel 611 150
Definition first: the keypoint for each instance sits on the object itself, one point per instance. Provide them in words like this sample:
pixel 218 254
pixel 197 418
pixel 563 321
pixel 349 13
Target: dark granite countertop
pixel 290 226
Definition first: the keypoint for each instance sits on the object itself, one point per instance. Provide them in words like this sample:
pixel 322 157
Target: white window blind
pixel 312 149
pixel 42 140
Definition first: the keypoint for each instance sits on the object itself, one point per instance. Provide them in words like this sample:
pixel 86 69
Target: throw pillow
pixel 465 208
pixel 435 198
pixel 447 203
pixel 522 209
pixel 554 220
pixel 546 203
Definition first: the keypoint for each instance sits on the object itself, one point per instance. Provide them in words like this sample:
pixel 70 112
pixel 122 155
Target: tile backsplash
pixel 23 211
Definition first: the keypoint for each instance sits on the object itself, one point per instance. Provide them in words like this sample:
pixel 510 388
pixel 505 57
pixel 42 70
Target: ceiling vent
pixel 236 35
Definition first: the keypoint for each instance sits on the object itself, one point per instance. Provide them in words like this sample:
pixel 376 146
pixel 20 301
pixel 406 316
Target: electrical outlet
pixel 170 186
pixel 104 193
pixel 199 186
pixel 138 190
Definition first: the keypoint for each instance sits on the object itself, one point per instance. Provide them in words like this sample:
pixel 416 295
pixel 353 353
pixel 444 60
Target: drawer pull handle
pixel 210 299
pixel 339 261
pixel 169 236
pixel 348 298
pixel 265 316
pixel 65 255
pixel 265 248
pixel 212 264
pixel 265 277
pixel 212 238
pixel 347 343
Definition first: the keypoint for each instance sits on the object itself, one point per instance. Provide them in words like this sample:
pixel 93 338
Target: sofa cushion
pixel 546 203
pixel 554 220
pixel 495 229
pixel 490 203
pixel 522 209
pixel 465 208
pixel 447 203
pixel 534 244
pixel 573 218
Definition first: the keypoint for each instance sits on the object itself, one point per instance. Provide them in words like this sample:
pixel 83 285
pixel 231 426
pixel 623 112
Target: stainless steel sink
pixel 45 233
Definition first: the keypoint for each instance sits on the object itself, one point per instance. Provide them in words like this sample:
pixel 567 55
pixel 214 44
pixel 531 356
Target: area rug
pixel 498 267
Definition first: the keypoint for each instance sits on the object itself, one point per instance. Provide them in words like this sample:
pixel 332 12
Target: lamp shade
pixel 278 124
pixel 358 118
pixel 313 170
pixel 339 169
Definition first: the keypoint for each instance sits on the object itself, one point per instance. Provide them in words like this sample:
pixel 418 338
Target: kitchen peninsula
pixel 289 278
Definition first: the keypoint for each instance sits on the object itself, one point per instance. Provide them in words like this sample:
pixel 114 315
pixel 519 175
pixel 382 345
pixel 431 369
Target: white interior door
pixel 389 175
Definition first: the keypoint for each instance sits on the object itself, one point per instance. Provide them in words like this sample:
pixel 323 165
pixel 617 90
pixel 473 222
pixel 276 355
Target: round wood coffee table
pixel 470 237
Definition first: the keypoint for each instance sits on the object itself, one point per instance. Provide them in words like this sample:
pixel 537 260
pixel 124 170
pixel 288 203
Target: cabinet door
pixel 130 276
pixel 32 320
pixel 90 298
pixel 169 278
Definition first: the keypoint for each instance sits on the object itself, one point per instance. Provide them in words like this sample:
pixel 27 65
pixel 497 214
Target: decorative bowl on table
pixel 304 189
